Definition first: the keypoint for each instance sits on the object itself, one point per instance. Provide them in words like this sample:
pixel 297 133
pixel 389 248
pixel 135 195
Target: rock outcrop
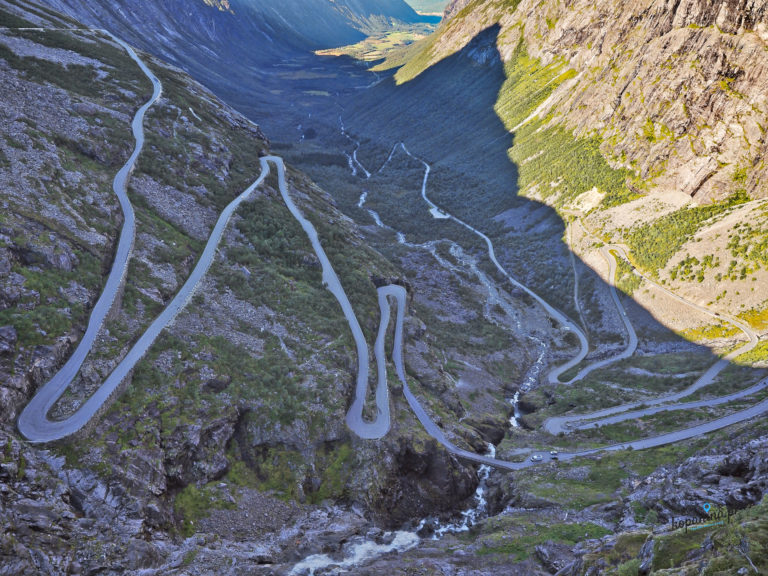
pixel 675 89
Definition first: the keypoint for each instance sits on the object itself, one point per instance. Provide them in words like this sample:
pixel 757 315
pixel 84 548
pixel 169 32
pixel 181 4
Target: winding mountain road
pixel 434 430
pixel 562 319
pixel 669 402
pixel 35 425
pixel 33 422
pixel 676 436
pixel 631 334
pixel 379 427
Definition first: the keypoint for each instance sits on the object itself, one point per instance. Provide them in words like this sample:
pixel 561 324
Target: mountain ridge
pixel 250 51
pixel 313 24
pixel 633 89
pixel 229 443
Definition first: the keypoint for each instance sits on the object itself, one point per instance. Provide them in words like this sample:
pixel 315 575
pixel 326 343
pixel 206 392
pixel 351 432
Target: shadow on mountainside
pixel 257 56
pixel 446 116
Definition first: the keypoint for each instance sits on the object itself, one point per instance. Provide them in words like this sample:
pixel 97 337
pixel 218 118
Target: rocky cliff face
pixel 65 125
pixel 675 89
pixel 243 400
pixel 453 8
pixel 643 119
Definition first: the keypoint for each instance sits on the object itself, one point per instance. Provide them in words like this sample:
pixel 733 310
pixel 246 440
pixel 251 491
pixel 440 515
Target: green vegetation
pixel 745 535
pixel 643 514
pixel 658 423
pixel 48 315
pixel 380 44
pixel 756 317
pixel 748 243
pixel 666 421
pixel 269 380
pixel 629 568
pixel 193 504
pixel 652 244
pixel 34 325
pixel 411 60
pixel 13 21
pixel 735 377
pixel 612 386
pixel 599 487
pixel 714 551
pixel 758 354
pixel 170 161
pixel 549 157
pixel 653 132
pixel 280 257
pixel 8 20
pixel 557 164
pixel 284 471
pixel 623 555
pixel 476 336
pixel 522 545
pixel 711 332
pixel 527 85
pixel 74 78
pixel 9 458
pixel 671 364
pixel 336 474
pixel 605 477
pixel 126 73
pixel 691 268
pixel 626 279
pixel 279 471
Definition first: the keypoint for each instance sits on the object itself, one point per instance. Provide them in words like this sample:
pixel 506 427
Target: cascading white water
pixel 373 213
pixel 356 552
pixel 376 218
pixel 351 164
pixel 468 517
pixel 360 550
pixel 530 381
pixel 514 420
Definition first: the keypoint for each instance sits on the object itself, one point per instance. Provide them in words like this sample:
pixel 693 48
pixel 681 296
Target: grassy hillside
pixel 252 381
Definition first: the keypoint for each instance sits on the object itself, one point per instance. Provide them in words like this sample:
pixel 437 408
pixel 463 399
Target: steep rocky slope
pixel 252 53
pixel 66 127
pixel 228 449
pixel 642 120
pixel 220 25
pixel 243 400
pixel 624 524
pixel 675 90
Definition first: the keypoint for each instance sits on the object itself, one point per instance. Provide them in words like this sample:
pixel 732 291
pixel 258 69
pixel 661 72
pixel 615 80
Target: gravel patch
pixel 29 49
